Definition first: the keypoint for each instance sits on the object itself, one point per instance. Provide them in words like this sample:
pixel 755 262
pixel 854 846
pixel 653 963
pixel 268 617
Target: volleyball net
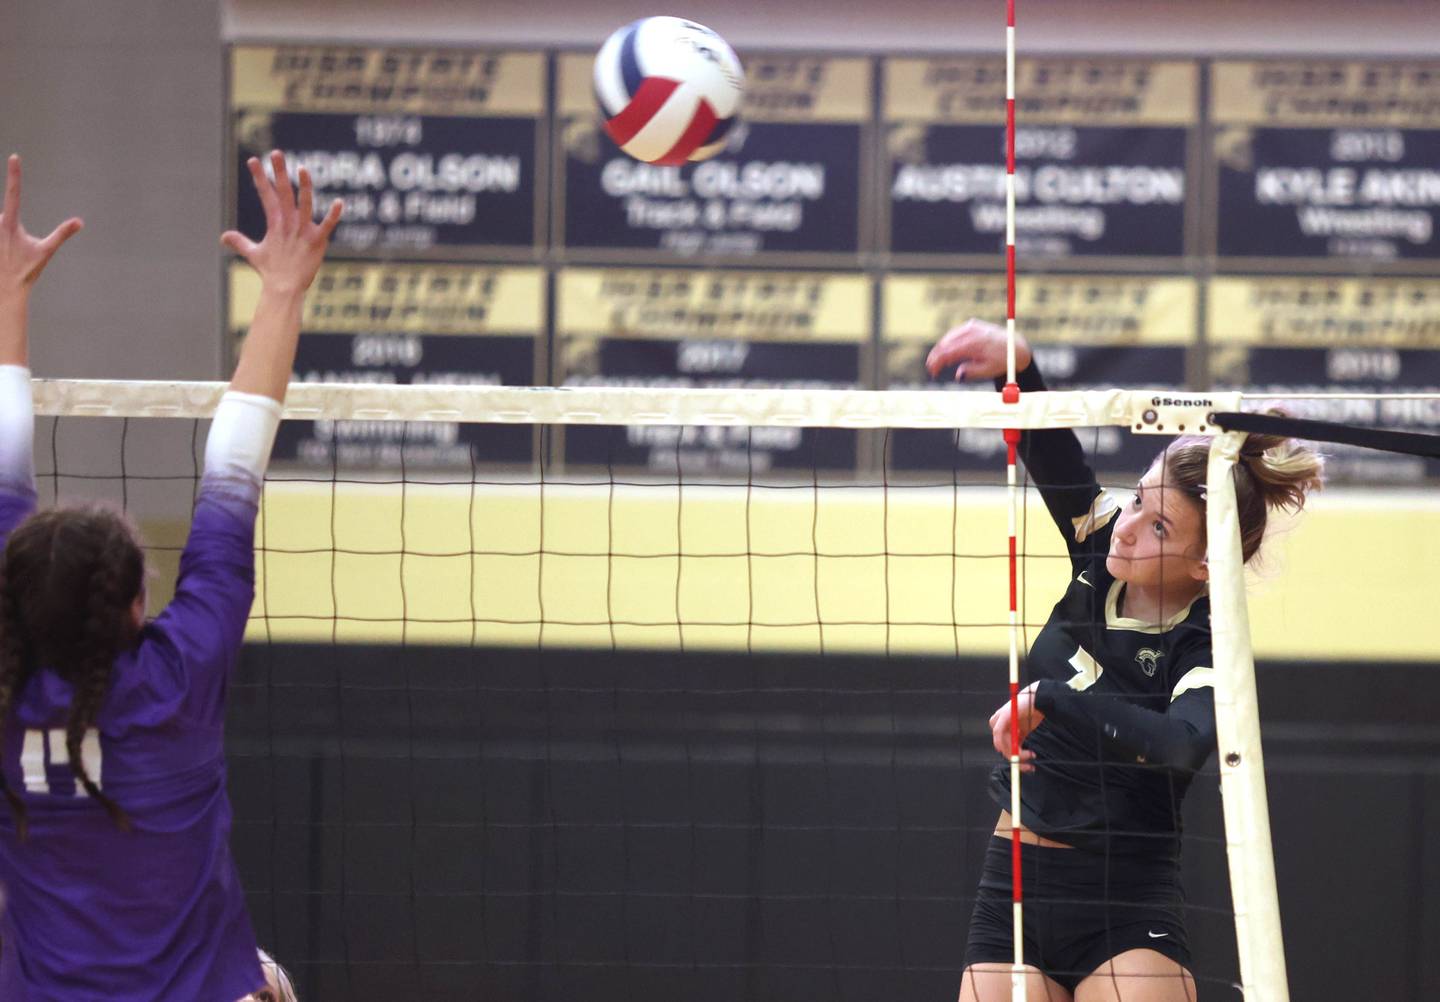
pixel 612 717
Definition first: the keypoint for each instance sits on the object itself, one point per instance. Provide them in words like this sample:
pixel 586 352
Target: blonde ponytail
pixel 1284 470
pixel 1273 472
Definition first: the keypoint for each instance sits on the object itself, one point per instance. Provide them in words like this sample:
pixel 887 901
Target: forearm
pixel 237 453
pixel 14 326
pixel 17 429
pixel 1056 462
pixel 268 356
pixel 1127 730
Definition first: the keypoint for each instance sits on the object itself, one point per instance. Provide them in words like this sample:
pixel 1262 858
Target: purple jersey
pixel 92 912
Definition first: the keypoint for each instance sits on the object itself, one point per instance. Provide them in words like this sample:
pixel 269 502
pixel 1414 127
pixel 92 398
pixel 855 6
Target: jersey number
pixel 1087 670
pixel 44 748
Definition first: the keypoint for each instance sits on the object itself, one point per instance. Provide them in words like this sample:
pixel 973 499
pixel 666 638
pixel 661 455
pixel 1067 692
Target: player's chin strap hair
pixel 1273 472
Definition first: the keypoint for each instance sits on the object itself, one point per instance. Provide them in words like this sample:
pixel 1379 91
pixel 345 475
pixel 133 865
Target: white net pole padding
pixel 1237 723
pixel 1157 412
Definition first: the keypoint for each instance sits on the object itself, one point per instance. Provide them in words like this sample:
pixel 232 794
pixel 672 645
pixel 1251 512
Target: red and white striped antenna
pixel 1012 441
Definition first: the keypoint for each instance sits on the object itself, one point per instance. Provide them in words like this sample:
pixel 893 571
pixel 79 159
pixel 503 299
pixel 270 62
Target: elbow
pixel 1184 758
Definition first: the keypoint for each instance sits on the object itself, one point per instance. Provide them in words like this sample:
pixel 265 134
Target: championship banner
pixel 435 152
pixel 409 324
pixel 1327 159
pixel 1101 151
pixel 1086 332
pixel 788 183
pixel 678 328
pixel 1328 335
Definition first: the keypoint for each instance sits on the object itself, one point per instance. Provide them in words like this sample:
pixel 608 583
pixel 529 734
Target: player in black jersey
pixel 1120 716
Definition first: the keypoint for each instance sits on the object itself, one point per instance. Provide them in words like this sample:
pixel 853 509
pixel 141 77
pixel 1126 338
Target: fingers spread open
pixel 12 192
pixel 307 196
pixel 286 196
pixel 268 201
pixel 238 242
pixel 332 218
pixel 60 234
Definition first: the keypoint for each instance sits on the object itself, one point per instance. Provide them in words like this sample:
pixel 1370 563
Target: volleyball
pixel 669 90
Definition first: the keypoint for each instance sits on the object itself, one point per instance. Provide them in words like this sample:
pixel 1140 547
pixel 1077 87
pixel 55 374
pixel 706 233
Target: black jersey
pixel 1129 706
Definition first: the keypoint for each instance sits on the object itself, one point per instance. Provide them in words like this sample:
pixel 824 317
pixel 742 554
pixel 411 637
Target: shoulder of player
pixel 1189 649
pixel 1194 629
pixel 1097 521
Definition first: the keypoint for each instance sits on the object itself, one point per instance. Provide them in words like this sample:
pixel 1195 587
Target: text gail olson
pixel 716 179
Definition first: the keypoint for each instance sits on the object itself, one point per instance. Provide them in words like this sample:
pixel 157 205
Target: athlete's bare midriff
pixel 1003 828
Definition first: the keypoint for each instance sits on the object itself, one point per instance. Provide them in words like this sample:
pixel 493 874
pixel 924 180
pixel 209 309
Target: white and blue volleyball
pixel 669 90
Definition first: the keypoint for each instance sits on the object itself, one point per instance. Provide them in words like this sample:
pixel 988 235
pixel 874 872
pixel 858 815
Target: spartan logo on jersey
pixel 1149 660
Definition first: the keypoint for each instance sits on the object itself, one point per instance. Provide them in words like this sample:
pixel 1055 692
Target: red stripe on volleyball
pixel 699 129
pixel 653 93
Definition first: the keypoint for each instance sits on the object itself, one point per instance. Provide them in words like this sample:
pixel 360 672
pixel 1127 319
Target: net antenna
pixel 1011 395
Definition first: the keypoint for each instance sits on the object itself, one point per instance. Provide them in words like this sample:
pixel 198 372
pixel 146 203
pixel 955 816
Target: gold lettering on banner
pixel 1327 93
pixel 358 297
pixel 373 80
pixel 748 306
pixel 1052 90
pixel 1086 310
pixel 1325 312
pixel 804 88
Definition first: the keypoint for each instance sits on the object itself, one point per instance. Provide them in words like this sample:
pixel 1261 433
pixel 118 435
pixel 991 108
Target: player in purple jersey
pixel 114 835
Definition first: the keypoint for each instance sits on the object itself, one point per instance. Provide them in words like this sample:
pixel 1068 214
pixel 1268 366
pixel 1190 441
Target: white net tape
pixel 1144 411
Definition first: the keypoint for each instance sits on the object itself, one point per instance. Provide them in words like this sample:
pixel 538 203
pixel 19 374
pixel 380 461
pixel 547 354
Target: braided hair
pixel 68 580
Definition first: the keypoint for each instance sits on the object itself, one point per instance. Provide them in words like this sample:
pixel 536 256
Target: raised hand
pixel 977 350
pixel 294 244
pixel 22 256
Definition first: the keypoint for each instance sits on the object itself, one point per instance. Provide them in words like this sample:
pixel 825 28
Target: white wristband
pixel 242 434
pixel 17 426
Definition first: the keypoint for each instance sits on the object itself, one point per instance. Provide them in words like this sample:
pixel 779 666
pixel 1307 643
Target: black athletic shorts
pixel 1079 910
